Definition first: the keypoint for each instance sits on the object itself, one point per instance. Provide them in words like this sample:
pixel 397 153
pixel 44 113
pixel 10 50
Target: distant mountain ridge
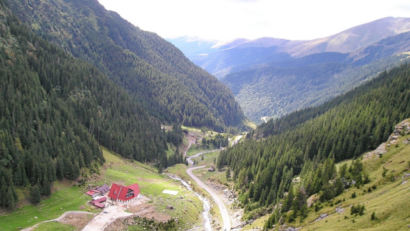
pixel 273 77
pixel 220 61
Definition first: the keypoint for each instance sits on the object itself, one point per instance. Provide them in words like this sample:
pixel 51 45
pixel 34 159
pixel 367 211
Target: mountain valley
pixel 105 126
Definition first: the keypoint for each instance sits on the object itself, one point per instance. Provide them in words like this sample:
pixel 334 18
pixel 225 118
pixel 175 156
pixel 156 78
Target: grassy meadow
pixel 67 197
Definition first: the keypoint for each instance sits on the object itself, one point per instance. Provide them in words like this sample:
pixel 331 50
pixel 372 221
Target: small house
pixel 99 203
pixel 124 194
pixel 93 193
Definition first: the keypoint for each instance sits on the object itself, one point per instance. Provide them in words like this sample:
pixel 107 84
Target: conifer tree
pixel 287 204
pixel 35 196
pixel 11 204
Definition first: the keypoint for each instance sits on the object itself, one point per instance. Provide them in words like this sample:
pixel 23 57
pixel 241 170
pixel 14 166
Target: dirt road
pixel 222 208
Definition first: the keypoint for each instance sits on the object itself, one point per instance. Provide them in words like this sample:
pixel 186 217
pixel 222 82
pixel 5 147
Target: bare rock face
pixel 402 128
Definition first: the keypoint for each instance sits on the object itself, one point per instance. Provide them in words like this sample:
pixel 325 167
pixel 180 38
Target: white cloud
pixel 230 19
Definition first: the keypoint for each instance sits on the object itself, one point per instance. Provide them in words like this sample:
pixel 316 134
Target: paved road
pixel 191 162
pixel 224 212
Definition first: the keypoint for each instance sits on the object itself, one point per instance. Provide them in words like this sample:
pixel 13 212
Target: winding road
pixel 222 208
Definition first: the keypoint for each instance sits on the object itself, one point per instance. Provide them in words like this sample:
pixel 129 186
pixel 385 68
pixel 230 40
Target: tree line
pixel 300 143
pixel 55 111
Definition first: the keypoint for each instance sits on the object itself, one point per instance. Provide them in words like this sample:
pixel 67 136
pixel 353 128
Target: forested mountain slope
pixel 150 68
pixel 55 110
pixel 342 128
pixel 280 87
pixel 273 77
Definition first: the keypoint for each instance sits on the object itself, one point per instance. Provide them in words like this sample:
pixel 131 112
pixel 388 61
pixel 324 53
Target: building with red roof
pixel 99 203
pixel 124 194
pixel 93 193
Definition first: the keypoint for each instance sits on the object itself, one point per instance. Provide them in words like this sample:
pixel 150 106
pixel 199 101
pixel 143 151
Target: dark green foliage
pixel 303 212
pixel 353 195
pixel 357 210
pixel 153 71
pixel 288 200
pixel 35 195
pixel 308 143
pixel 384 172
pixel 55 110
pixel 318 207
pixel 373 216
pixel 175 135
pixel 217 141
pixel 228 174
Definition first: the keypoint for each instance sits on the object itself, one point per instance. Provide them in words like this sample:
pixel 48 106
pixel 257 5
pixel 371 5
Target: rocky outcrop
pixel 400 129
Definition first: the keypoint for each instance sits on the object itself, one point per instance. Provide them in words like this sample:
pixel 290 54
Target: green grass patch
pixel 195 148
pixel 151 185
pixel 67 198
pixel 52 226
pixel 260 222
pixel 388 200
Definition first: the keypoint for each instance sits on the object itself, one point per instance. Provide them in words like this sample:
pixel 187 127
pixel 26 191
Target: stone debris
pixel 170 207
pixel 292 229
pixel 379 151
pixel 405 175
pixel 243 224
pixel 340 210
pixel 321 217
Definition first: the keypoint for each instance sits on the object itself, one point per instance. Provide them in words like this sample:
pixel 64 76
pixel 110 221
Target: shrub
pixel 373 216
pixel 359 209
pixel 384 172
pixel 354 195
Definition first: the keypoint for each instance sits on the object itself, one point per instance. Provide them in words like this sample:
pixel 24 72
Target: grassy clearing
pixel 389 201
pixel 151 185
pixel 195 148
pixel 208 161
pixel 171 150
pixel 51 226
pixel 67 198
pixel 260 222
pixel 115 170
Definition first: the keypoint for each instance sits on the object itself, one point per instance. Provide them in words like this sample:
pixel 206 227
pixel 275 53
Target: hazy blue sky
pixel 224 20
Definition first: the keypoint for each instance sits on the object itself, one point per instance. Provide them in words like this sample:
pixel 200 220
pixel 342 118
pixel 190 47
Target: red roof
pixel 92 192
pixel 99 205
pixel 124 193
